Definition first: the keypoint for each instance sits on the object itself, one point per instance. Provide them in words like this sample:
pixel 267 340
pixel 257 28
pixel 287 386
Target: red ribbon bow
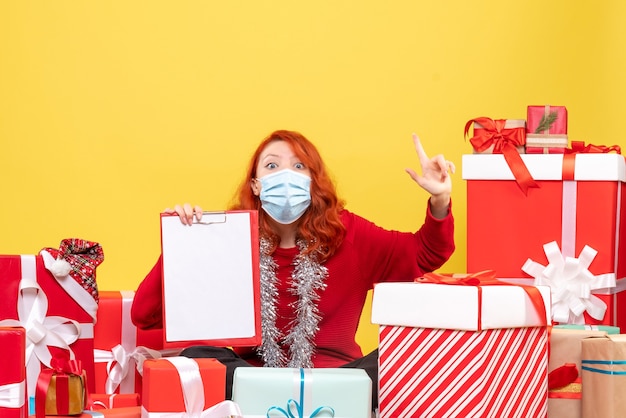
pixel 505 142
pixel 581 148
pixel 486 278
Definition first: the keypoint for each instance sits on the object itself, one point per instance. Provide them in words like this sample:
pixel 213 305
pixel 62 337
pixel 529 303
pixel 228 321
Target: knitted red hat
pixel 79 259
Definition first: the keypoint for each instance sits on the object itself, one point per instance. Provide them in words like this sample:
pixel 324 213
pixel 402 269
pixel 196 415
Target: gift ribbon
pixel 41 330
pixel 12 395
pixel 120 363
pixel 609 363
pixel 562 376
pixel 505 142
pixel 580 147
pixel 571 284
pixel 193 394
pixel 303 378
pixel 61 369
pixel 487 278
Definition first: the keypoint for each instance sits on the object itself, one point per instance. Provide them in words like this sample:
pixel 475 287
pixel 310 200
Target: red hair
pixel 320 226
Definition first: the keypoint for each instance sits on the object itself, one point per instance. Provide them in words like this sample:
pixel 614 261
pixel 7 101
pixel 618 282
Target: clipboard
pixel 211 280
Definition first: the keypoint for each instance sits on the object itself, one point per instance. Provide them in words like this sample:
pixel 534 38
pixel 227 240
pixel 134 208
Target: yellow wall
pixel 111 111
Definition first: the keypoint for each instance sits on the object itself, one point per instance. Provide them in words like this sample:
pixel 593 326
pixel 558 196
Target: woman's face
pixel 277 156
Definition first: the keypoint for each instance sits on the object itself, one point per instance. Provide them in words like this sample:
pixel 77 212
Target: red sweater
pixel 368 254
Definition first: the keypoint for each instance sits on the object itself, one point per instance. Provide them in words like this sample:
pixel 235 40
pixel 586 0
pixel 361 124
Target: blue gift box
pixel 303 393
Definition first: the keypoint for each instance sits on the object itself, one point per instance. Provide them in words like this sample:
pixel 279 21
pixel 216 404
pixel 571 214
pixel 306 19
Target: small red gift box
pixel 13 373
pixel 546 120
pixel 100 401
pixel 546 130
pixel 120 346
pixel 576 209
pixel 461 350
pixel 123 412
pixel 57 312
pixel 168 381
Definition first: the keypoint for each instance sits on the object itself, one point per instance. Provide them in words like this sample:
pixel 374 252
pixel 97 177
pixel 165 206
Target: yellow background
pixel 111 111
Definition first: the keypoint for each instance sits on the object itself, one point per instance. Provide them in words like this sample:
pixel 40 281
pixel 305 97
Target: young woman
pixel 318 260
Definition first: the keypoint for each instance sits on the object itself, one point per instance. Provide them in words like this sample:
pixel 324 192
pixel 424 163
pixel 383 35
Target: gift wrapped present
pixel 13 373
pixel 546 130
pixel 300 392
pixel 182 385
pixel 546 120
pixel 124 412
pixel 586 327
pixel 506 137
pixel 100 401
pixel 462 346
pixel 53 295
pixel 61 390
pixel 604 376
pixel 570 227
pixel 565 400
pixel 120 347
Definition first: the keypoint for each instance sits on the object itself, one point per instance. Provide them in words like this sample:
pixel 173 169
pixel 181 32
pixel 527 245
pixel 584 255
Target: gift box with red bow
pixel 565 394
pixel 506 137
pixel 13 402
pixel 61 390
pixel 120 347
pixel 462 346
pixel 182 385
pixel 566 233
pixel 53 295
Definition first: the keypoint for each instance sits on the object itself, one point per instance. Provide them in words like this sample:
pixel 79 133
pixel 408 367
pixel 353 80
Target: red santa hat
pixel 79 259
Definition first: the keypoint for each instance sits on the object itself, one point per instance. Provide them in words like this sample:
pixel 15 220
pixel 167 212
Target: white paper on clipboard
pixel 210 278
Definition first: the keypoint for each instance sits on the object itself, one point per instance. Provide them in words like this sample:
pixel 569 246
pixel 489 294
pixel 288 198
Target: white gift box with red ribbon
pixel 57 313
pixel 461 351
pixel 578 205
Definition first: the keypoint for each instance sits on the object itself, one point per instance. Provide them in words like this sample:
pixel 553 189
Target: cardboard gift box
pixel 57 307
pixel 462 350
pixel 61 390
pixel 13 372
pixel 604 376
pixel 120 347
pixel 573 220
pixel 566 348
pixel 337 392
pixel 180 384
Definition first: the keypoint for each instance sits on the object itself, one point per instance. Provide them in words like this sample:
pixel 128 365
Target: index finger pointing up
pixel 421 154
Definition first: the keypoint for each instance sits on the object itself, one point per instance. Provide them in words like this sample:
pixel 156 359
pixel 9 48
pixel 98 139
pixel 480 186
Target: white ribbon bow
pixel 193 395
pixel 41 330
pixel 121 364
pixel 571 284
pixel 12 395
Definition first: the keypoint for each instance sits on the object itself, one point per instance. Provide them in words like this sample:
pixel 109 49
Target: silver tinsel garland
pixel 308 277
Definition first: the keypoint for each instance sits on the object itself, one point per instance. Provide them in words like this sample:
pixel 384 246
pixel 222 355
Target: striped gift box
pixel 460 351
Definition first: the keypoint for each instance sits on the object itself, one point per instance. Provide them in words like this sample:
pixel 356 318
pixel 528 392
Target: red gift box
pixel 123 412
pixel 120 346
pixel 461 350
pixel 57 312
pixel 557 115
pixel 100 401
pixel 168 381
pixel 13 373
pixel 578 204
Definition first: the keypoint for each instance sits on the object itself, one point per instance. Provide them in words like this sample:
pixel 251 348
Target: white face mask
pixel 285 195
